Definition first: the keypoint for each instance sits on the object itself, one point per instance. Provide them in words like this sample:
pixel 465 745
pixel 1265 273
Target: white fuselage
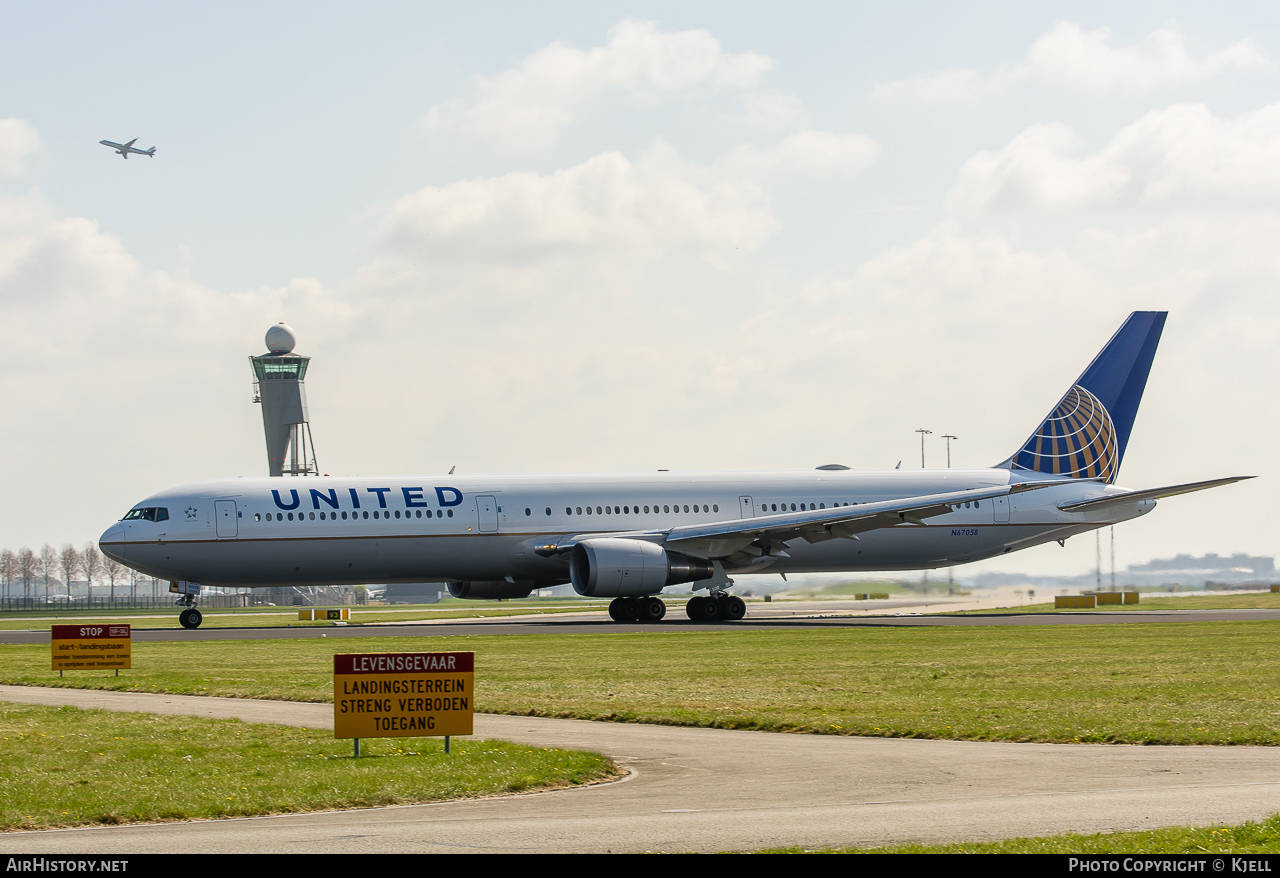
pixel 384 529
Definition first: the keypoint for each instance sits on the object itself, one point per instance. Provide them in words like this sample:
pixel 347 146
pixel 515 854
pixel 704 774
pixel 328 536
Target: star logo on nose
pixel 191 512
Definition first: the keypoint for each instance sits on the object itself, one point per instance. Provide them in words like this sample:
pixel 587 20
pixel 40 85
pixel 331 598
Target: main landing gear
pixel 647 609
pixel 716 608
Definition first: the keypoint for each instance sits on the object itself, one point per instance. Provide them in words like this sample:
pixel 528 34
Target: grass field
pixel 287 617
pixel 1178 683
pixel 68 767
pixel 1247 838
pixel 1207 601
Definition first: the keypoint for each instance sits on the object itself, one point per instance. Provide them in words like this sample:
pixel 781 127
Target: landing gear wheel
pixel 702 609
pixel 691 608
pixel 190 618
pixel 625 610
pixel 652 609
pixel 732 608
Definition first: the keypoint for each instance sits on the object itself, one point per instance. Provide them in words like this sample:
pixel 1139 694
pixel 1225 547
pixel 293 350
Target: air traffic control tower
pixel 279 386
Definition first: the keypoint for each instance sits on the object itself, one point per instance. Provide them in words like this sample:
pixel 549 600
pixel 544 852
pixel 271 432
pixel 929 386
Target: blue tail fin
pixel 1085 435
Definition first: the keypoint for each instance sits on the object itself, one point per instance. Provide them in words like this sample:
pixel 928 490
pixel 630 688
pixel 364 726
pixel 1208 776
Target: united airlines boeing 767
pixel 630 536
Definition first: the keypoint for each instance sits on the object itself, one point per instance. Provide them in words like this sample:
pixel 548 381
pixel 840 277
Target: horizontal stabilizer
pixel 1149 494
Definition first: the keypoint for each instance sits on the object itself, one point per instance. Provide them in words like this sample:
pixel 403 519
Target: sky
pixel 574 237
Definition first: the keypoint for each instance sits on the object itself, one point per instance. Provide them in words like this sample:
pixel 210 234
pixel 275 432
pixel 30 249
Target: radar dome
pixel 280 339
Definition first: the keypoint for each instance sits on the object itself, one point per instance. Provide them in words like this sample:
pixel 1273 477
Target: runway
pixel 826 614
pixel 712 790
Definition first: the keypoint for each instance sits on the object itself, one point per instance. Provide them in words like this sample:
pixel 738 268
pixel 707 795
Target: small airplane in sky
pixel 125 148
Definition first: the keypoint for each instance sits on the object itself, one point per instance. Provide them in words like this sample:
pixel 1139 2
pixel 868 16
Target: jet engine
pixel 493 591
pixel 610 568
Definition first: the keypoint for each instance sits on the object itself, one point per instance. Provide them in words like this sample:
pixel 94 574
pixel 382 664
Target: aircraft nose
pixel 112 543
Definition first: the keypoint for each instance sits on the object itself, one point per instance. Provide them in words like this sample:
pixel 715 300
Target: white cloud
pixel 1182 156
pixel 525 108
pixel 1071 57
pixel 943 87
pixel 772 108
pixel 808 152
pixel 18 141
pixel 607 205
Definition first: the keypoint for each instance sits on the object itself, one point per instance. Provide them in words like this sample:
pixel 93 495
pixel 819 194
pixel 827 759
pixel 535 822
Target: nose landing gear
pixel 187 593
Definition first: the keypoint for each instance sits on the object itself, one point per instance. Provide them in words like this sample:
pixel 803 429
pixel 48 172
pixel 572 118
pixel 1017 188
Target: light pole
pixel 923 432
pixel 949 437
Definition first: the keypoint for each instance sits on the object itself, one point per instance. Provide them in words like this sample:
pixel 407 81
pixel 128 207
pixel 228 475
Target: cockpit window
pixel 150 513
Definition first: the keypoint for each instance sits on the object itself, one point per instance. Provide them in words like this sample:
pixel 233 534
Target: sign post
pixel 91 647
pixel 403 695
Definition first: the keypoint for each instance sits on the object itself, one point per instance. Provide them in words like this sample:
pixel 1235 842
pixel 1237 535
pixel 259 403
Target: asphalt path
pixel 760 617
pixel 716 790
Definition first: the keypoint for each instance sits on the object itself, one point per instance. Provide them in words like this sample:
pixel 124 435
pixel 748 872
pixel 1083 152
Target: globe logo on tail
pixel 1077 440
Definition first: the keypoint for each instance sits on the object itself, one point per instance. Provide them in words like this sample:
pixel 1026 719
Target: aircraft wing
pixel 769 534
pixel 1149 494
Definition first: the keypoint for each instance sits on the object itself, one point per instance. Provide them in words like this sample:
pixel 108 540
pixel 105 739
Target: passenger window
pixel 548 510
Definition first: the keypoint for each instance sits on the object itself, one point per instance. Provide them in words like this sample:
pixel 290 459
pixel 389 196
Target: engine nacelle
pixel 610 568
pixel 492 591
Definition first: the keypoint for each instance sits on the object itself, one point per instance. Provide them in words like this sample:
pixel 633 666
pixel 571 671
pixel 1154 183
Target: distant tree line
pixel 29 574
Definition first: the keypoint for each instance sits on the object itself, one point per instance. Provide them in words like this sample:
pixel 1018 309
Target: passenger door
pixel 227 518
pixel 487 509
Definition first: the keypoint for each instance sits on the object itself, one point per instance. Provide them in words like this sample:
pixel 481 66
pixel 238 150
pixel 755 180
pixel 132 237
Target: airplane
pixel 630 536
pixel 125 148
